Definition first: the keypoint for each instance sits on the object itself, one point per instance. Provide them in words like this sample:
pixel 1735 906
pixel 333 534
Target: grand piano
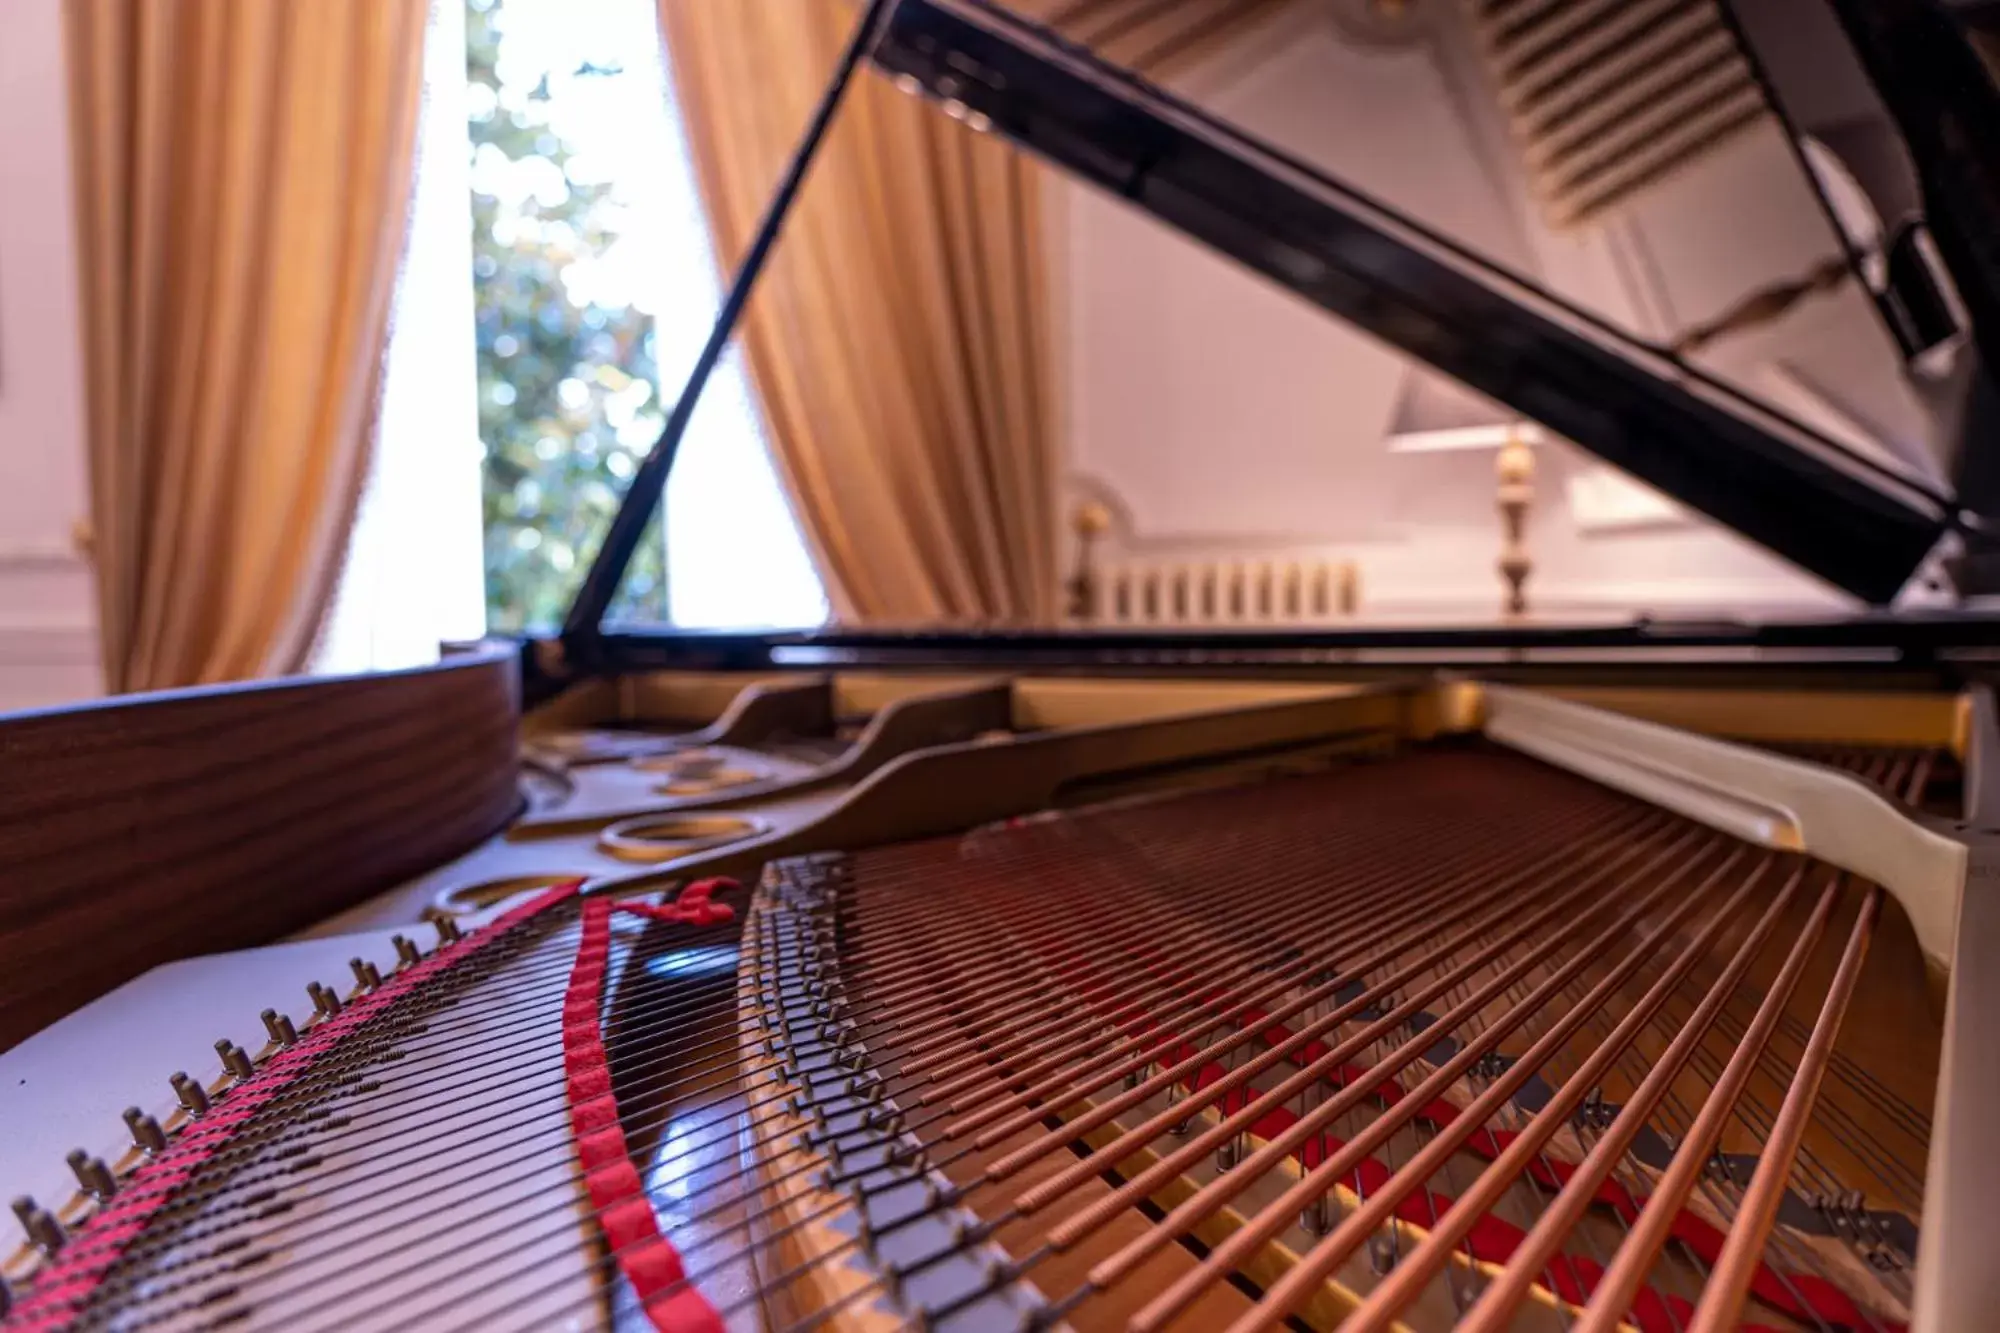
pixel 1108 974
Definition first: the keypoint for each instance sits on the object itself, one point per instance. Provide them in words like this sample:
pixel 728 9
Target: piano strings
pixel 1447 1035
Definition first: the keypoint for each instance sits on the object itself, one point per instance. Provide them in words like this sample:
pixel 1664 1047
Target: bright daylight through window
pixel 595 284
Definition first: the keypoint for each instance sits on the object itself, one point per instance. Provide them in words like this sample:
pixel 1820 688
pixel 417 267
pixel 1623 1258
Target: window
pixel 595 285
pixel 592 282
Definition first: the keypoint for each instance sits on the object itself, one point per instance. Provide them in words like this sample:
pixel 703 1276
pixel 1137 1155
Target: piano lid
pixel 1846 518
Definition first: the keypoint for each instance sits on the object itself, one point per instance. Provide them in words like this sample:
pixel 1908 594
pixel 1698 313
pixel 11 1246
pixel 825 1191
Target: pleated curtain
pixel 243 172
pixel 899 342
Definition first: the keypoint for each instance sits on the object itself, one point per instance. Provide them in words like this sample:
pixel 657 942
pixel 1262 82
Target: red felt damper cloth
pixel 618 1197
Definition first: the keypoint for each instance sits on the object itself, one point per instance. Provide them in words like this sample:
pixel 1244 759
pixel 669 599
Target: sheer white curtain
pixel 734 554
pixel 413 576
pixel 735 557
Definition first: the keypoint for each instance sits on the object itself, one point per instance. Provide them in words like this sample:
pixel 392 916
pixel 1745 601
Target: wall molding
pixel 49 645
pixel 1124 537
pixel 48 635
pixel 40 556
pixel 1326 587
pixel 42 665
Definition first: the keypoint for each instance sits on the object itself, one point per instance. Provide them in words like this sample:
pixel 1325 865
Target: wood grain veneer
pixel 140 830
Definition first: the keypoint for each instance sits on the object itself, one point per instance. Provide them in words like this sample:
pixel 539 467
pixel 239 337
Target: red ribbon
pixel 618 1196
pixel 692 908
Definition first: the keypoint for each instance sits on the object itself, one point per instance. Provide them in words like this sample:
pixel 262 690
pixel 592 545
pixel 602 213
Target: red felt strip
pixel 617 1195
pixel 691 908
pixel 596 1147
pixel 685 1311
pixel 59 1289
pixel 596 1113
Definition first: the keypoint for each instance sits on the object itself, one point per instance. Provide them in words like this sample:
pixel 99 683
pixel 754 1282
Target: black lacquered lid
pixel 1848 519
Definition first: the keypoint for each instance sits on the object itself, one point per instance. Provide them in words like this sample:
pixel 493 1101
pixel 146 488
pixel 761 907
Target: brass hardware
pixel 1515 468
pixel 1090 522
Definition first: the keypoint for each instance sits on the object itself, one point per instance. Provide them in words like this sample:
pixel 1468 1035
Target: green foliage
pixel 566 398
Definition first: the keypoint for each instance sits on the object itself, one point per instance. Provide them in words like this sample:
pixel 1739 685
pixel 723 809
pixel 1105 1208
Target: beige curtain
pixel 896 341
pixel 899 341
pixel 242 178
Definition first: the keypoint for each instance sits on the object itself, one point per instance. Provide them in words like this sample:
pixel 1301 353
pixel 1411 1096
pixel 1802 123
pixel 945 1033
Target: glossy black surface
pixel 1872 644
pixel 1839 518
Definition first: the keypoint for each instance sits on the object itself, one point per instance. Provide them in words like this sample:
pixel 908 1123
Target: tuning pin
pixel 325 1001
pixel 280 1028
pixel 48 1232
pixel 6 1298
pixel 447 929
pixel 92 1174
pixel 235 1059
pixel 365 974
pixel 406 952
pixel 194 1098
pixel 147 1135
pixel 44 1232
pixel 1464 1286
pixel 1383 1251
pixel 1317 1217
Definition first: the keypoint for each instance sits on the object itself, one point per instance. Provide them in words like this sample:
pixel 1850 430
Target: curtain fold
pixel 898 343
pixel 243 173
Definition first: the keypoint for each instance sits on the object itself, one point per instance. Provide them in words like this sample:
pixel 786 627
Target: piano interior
pixel 1071 1001
pixel 1180 967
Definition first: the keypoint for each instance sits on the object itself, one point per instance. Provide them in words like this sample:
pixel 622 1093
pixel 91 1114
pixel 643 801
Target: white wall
pixel 48 639
pixel 1222 418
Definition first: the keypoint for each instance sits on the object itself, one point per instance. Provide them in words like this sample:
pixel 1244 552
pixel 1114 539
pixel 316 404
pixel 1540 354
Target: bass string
pixel 1673 1116
pixel 1672 1119
pixel 1901 1180
pixel 1576 1194
pixel 1384 949
pixel 1272 1215
pixel 1807 1258
pixel 1385 987
pixel 1388 1024
pixel 450 1094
